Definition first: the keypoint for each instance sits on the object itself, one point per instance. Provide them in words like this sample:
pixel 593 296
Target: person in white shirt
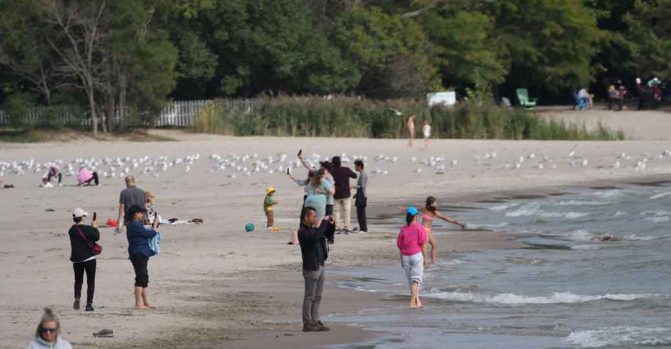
pixel 426 129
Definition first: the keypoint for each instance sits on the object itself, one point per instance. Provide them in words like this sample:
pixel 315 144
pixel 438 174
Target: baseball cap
pixel 78 213
pixel 412 210
pixel 135 209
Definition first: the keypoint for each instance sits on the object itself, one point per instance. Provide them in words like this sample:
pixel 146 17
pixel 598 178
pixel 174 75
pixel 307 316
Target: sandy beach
pixel 216 285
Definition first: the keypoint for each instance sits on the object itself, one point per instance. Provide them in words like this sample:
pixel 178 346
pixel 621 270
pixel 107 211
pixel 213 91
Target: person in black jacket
pixel 314 251
pixel 82 257
pixel 343 195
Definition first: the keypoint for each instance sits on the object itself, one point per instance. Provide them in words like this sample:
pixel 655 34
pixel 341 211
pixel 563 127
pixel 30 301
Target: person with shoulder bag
pixel 83 256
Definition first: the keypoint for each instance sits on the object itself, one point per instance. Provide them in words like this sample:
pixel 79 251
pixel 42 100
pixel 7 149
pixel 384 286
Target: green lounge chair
pixel 523 97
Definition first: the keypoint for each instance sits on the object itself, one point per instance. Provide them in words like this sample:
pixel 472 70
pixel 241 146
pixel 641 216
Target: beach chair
pixel 523 97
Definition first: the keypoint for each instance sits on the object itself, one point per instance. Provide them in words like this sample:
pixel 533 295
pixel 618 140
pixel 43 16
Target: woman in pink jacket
pixel 411 243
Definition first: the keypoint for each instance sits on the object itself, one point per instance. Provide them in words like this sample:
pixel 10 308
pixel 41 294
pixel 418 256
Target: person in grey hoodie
pixel 48 333
pixel 361 197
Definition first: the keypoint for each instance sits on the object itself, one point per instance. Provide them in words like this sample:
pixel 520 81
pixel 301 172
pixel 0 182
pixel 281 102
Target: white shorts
pixel 414 268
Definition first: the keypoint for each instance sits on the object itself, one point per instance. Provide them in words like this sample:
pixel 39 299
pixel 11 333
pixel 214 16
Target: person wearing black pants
pixel 361 198
pixel 83 260
pixel 139 253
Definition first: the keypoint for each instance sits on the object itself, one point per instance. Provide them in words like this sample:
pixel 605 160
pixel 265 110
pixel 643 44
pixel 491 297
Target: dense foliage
pixel 122 59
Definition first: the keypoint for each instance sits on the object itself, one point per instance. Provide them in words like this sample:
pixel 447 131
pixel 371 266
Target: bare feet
pixel 149 306
pixel 140 307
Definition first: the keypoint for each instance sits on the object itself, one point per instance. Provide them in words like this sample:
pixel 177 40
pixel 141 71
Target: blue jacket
pixel 138 239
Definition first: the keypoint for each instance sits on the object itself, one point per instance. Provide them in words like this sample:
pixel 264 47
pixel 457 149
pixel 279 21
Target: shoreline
pixel 213 283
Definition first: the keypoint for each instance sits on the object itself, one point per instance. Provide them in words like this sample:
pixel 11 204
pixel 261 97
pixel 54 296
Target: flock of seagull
pixel 234 165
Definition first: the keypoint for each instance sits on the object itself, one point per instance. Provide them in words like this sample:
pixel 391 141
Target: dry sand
pixel 217 286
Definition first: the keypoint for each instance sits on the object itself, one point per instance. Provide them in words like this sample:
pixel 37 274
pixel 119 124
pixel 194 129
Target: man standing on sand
pixel 343 195
pixel 313 237
pixel 361 198
pixel 129 197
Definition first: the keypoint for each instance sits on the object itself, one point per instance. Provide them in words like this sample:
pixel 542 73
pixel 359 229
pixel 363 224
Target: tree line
pixel 123 58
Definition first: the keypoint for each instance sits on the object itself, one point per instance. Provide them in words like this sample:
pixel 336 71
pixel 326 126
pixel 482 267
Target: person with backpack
pixel 83 255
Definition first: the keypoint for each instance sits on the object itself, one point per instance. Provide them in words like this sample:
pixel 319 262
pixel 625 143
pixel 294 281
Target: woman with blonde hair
pixel 47 335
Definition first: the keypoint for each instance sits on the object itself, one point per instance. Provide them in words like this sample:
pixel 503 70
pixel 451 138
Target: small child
pixel 427 132
pixel 268 204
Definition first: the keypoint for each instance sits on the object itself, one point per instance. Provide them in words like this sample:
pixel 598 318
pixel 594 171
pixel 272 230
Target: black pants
pixel 141 273
pixel 90 268
pixel 59 175
pixel 361 217
pixel 93 179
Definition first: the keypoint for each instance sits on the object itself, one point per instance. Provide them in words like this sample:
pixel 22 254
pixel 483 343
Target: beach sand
pixel 217 286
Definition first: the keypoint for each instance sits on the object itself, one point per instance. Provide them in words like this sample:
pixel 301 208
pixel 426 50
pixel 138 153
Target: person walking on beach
pixel 429 213
pixel 139 252
pixel 48 333
pixel 313 235
pixel 411 243
pixel 361 198
pixel 426 130
pixel 85 177
pixel 131 196
pixel 82 256
pixel 410 123
pixel 343 194
pixel 268 204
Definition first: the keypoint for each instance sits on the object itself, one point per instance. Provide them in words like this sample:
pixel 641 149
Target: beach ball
pixel 249 227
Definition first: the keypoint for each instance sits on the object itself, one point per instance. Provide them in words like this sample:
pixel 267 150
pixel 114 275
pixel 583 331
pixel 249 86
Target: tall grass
pixel 354 117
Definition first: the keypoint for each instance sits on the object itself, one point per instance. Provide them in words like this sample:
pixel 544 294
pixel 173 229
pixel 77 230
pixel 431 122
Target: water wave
pixel 621 336
pixel 660 195
pixel 504 207
pixel 583 203
pixel 515 299
pixel 527 211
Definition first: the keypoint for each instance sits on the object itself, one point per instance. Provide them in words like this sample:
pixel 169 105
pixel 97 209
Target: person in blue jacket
pixel 139 253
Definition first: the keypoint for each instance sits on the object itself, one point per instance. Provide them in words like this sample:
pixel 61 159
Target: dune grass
pixel 354 117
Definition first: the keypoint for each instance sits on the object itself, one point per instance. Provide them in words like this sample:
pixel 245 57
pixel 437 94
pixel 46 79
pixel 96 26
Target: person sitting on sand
pixel 85 177
pixel 53 172
pixel 139 252
pixel 411 243
pixel 82 257
pixel 48 333
pixel 313 235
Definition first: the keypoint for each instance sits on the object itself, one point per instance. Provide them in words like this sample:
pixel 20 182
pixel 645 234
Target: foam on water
pixel 534 210
pixel 621 336
pixel 583 203
pixel 515 299
pixel 660 195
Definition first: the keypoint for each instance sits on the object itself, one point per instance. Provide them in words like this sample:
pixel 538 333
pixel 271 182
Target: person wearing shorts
pixel 411 243
pixel 139 252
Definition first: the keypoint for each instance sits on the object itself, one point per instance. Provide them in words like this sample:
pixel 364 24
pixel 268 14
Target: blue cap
pixel 412 210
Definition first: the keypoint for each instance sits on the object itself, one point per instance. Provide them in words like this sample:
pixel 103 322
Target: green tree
pixel 649 38
pixel 389 51
pixel 548 43
pixel 468 55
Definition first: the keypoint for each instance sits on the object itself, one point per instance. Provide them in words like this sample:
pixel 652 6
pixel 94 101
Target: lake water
pixel 565 289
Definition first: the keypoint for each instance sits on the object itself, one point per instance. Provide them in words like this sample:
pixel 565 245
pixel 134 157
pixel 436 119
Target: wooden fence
pixel 175 114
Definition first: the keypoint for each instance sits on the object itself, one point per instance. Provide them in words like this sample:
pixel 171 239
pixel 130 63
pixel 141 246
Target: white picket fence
pixel 180 114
